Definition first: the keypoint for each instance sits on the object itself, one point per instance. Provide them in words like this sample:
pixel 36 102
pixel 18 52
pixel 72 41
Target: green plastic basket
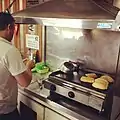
pixel 41 68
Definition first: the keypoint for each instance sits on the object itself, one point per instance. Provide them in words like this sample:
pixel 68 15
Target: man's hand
pixel 30 64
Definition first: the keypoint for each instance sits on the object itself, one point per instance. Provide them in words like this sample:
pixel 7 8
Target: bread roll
pixel 108 78
pixel 87 79
pixel 102 81
pixel 100 86
pixel 91 75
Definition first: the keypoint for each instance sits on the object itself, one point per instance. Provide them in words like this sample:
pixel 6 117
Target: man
pixel 12 70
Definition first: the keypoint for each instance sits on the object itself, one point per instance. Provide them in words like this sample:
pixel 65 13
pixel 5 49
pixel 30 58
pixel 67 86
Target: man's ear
pixel 8 27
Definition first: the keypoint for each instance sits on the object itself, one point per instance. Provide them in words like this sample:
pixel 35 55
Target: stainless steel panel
pixel 96 102
pixel 65 22
pixel 80 97
pixel 85 9
pixel 87 14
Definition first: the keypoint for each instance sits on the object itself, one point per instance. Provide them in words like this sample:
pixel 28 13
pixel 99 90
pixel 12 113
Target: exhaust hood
pixel 86 14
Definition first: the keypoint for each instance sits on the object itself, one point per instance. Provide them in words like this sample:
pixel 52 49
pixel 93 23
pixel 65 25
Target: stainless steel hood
pixel 87 14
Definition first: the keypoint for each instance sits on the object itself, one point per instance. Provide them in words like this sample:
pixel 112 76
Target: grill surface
pixel 75 78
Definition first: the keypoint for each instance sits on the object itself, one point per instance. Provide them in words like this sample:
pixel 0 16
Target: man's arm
pixel 25 78
pixel 15 65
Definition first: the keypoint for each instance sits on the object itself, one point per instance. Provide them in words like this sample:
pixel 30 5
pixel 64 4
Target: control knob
pixel 71 94
pixel 53 87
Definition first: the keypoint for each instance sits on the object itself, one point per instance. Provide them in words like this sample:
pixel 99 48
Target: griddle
pixel 75 78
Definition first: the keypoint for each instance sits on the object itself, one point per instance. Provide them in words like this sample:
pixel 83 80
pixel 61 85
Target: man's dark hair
pixel 5 20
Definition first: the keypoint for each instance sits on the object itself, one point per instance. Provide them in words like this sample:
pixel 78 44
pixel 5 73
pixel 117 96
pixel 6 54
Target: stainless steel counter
pixel 63 107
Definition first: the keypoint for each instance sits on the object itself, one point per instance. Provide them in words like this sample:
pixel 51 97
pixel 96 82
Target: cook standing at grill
pixel 12 69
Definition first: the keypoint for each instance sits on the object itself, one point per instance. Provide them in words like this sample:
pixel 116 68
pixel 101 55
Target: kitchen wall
pixel 116 3
pixel 98 48
pixel 19 39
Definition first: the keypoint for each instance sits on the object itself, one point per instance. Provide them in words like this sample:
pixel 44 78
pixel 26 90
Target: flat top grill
pixel 75 78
